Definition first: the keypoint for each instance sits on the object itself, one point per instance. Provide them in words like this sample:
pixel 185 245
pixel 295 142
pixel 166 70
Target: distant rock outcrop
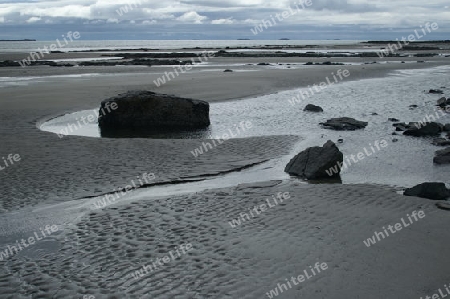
pixel 435 191
pixel 316 162
pixel 344 124
pixel 145 110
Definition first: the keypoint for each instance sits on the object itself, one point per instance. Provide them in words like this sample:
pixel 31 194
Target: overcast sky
pixel 221 19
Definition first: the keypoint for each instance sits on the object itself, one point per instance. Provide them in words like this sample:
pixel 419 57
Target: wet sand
pixel 95 253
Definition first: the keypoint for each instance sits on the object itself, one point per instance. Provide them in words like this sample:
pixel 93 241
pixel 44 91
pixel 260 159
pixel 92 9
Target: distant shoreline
pixel 18 40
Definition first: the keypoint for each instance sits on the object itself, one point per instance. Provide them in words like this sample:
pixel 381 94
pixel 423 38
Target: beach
pixel 192 199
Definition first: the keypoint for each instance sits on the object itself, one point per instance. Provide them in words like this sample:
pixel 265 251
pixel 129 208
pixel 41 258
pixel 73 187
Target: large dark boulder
pixel 316 162
pixel 145 110
pixel 435 191
pixel 442 156
pixel 447 128
pixel 344 124
pixel 313 108
pixel 421 130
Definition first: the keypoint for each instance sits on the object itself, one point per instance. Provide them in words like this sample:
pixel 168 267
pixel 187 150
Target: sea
pixel 81 45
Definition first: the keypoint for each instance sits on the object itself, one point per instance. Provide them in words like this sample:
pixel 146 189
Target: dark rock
pixel 434 191
pixel 314 162
pixel 341 140
pixel 442 102
pixel 395 140
pixel 344 124
pixel 420 130
pixel 447 128
pixel 411 107
pixel 393 120
pixel 442 156
pixel 443 206
pixel 374 113
pixel 145 110
pixel 436 91
pixel 228 71
pixel 313 108
pixel 441 142
pixel 263 63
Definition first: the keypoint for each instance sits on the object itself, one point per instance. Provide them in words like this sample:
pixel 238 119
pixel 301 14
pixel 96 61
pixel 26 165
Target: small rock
pixel 434 191
pixel 395 140
pixel 435 91
pixel 344 124
pixel 393 120
pixel 443 206
pixel 374 113
pixel 420 130
pixel 263 63
pixel 313 108
pixel 411 107
pixel 442 102
pixel 441 142
pixel 442 156
pixel 228 71
pixel 341 140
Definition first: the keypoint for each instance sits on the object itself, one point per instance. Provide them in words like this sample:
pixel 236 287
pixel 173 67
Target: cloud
pixel 33 19
pixel 192 17
pixel 178 14
pixel 223 21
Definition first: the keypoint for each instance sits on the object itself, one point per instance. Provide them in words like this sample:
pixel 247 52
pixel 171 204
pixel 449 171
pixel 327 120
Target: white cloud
pixel 147 22
pixel 192 17
pixel 223 21
pixel 33 20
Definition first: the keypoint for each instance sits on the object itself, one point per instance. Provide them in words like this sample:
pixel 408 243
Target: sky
pixel 223 19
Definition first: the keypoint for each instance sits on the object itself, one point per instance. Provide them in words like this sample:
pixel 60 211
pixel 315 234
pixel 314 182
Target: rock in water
pixel 344 124
pixel 421 130
pixel 435 191
pixel 148 111
pixel 313 108
pixel 442 156
pixel 314 162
